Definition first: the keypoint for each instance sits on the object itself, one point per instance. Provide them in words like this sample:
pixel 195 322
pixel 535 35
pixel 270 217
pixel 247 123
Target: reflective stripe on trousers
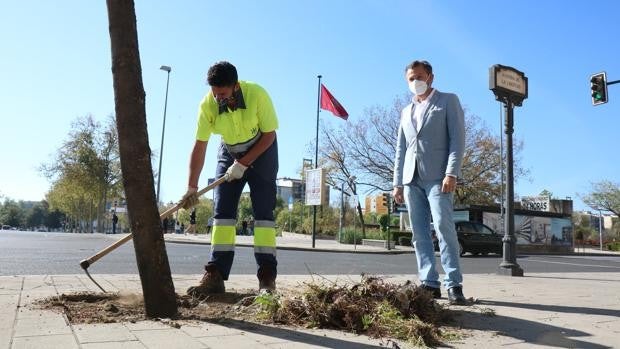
pixel 223 236
pixel 265 237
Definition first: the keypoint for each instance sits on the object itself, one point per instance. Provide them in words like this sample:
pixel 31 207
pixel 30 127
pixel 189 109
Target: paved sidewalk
pixel 567 310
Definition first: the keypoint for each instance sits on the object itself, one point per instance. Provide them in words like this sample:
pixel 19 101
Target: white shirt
pixel 419 108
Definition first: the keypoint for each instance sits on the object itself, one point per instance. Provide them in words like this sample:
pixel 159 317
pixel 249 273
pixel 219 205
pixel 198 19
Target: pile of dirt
pixel 372 307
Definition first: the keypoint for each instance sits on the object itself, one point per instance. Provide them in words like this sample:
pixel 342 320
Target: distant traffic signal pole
pixel 598 88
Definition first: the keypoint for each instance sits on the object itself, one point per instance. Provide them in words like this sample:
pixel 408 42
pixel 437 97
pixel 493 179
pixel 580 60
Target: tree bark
pixel 155 276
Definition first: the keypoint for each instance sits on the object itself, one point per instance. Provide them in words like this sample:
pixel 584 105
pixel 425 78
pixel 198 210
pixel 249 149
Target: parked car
pixel 6 227
pixel 475 238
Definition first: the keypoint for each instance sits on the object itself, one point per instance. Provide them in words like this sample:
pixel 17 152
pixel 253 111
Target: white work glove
pixel 235 171
pixel 190 199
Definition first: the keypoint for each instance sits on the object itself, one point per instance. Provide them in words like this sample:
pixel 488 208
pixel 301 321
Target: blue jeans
pixel 424 198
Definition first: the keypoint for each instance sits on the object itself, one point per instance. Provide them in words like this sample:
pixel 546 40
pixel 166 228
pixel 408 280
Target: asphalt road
pixel 37 253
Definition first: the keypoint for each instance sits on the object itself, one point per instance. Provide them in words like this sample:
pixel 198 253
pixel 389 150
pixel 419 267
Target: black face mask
pixel 230 100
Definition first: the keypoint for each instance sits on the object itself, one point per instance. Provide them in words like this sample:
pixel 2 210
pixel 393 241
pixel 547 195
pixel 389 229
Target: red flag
pixel 328 102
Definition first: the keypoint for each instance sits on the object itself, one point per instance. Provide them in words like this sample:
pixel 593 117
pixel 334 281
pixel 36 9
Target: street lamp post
pixel 501 169
pixel 341 211
pixel 163 129
pixel 600 229
pixel 353 187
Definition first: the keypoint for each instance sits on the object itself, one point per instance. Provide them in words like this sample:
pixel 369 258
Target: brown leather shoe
pixel 266 280
pixel 211 283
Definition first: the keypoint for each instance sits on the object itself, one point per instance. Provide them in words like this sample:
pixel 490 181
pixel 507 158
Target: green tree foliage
pixel 583 228
pixel 604 196
pixel 328 219
pixel 11 214
pixel 480 183
pixel 29 215
pixel 37 215
pixel 546 193
pixel 244 212
pixel 85 172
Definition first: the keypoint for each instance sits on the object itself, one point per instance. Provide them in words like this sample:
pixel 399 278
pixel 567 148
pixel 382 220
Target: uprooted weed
pixel 372 306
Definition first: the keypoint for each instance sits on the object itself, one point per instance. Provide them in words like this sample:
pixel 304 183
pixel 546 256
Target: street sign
pixel 314 186
pixel 290 203
pixel 508 82
pixel 510 87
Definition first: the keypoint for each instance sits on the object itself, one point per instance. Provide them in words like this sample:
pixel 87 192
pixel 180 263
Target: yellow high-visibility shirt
pixel 242 124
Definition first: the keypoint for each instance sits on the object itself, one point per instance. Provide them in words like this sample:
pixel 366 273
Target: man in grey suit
pixel 429 153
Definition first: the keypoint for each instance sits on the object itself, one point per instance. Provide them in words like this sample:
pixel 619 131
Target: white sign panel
pixel 314 187
pixel 510 80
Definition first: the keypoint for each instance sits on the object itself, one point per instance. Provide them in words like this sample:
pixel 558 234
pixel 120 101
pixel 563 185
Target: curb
pixel 296 248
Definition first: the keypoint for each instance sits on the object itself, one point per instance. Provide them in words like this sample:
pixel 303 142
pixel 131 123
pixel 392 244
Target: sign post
pixel 314 194
pixel 290 211
pixel 510 87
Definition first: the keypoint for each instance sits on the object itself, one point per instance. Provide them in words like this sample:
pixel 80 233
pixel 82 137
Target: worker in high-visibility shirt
pixel 243 114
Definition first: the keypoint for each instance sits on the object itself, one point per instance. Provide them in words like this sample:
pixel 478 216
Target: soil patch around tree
pixel 372 307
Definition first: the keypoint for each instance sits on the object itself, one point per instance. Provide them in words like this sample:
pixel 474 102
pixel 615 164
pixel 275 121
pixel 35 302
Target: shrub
pixel 614 246
pixel 350 236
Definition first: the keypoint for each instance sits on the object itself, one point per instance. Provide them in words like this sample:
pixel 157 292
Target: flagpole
pixel 316 156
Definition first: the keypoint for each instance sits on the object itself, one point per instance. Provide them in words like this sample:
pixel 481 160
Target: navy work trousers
pixel 261 177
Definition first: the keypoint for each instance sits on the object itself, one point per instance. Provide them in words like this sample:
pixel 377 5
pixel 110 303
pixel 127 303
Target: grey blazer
pixel 437 149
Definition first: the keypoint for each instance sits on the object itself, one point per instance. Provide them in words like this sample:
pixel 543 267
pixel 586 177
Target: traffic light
pixel 598 87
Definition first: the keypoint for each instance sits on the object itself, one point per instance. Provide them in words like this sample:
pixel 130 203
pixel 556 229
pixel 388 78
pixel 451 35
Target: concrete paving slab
pixel 6 335
pixel 114 345
pixel 45 325
pixel 197 330
pixel 63 341
pixel 145 325
pixel 229 342
pixel 94 333
pixel 169 339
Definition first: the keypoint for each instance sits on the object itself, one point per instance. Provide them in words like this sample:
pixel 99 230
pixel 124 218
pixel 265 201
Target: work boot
pixel 266 280
pixel 211 283
pixel 455 296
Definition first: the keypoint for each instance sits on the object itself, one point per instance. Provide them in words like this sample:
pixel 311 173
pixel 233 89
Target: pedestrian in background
pixel 191 229
pixel 114 222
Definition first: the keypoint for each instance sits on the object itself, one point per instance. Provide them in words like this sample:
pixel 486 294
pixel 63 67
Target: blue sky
pixel 56 67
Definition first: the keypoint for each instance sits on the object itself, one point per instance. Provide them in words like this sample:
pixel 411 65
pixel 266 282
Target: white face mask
pixel 418 87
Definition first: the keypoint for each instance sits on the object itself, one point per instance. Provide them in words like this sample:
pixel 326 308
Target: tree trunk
pixel 157 286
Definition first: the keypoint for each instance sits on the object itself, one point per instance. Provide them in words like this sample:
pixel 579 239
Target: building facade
pixel 376 204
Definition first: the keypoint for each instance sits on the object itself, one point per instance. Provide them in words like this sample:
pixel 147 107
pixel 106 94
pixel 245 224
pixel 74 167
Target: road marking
pixel 577 264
